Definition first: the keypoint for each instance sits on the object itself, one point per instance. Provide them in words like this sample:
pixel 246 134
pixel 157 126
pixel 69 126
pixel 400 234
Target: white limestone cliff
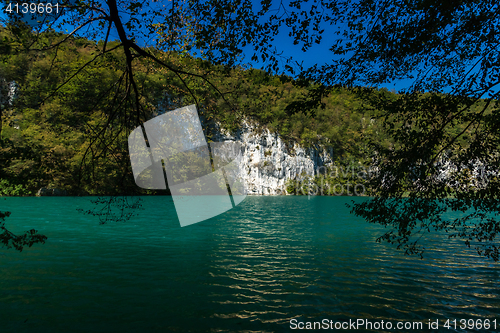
pixel 268 161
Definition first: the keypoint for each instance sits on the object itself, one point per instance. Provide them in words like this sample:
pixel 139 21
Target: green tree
pixel 9 239
pixel 445 124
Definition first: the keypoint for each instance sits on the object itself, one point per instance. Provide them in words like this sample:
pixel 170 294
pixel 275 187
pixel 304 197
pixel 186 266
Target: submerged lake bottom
pixel 272 264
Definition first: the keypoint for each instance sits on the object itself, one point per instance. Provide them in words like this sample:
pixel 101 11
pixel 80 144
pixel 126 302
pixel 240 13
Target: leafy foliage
pixel 18 242
pixel 114 208
pixel 445 126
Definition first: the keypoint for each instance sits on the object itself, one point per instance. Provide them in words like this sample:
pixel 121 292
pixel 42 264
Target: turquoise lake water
pixel 253 269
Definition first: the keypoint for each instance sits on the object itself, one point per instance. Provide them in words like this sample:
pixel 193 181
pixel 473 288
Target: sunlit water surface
pixel 252 269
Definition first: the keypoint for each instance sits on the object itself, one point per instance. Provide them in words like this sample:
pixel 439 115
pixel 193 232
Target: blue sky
pixel 317 54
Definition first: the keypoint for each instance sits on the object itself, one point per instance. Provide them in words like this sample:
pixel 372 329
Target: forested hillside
pixel 66 124
pixel 62 128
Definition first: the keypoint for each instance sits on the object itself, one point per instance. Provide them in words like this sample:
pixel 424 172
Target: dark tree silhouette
pixel 11 240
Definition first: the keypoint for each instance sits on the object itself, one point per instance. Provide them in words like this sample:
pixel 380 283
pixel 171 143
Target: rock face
pixel 8 91
pixel 44 192
pixel 268 161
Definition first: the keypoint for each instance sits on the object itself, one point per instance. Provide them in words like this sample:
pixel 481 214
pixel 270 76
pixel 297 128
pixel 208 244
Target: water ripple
pixel 252 269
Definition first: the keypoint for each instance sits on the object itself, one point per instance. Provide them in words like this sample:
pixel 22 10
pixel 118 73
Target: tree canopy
pixel 445 124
